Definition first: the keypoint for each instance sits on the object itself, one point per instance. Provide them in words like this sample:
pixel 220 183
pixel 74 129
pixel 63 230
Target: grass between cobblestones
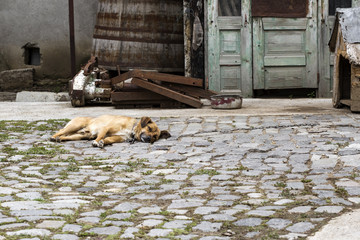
pixel 240 182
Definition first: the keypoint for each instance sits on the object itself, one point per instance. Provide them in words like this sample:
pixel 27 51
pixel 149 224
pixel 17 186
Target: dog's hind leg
pixel 73 126
pixel 74 137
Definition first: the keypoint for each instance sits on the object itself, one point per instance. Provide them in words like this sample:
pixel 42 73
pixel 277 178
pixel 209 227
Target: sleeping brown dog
pixel 109 129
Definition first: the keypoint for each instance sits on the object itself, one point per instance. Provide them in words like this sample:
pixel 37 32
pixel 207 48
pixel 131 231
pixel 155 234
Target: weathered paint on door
pixel 285 51
pixel 229 46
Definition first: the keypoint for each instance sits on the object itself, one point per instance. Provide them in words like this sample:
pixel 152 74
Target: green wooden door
pixel 229 46
pixel 285 51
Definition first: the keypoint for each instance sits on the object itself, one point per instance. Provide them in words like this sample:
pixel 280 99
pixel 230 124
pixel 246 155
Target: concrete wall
pixel 46 24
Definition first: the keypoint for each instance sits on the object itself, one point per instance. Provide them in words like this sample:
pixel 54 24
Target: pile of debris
pixel 136 88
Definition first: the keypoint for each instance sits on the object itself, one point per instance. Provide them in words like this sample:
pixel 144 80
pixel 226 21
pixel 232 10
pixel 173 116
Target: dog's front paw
pixel 57 139
pixel 99 144
pixel 95 143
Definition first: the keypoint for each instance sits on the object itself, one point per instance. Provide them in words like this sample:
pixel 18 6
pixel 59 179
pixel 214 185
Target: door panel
pixel 282 42
pixel 230 76
pixel 230 43
pixel 229 46
pixel 283 48
pixel 274 61
pixel 284 77
pixel 230 53
pixel 284 51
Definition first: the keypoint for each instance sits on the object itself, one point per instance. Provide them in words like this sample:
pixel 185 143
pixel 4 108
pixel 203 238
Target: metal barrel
pixel 140 34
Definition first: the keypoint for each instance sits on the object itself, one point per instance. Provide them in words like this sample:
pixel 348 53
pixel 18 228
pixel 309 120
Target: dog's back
pixel 113 125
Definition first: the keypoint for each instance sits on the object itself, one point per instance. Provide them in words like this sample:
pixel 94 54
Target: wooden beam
pixel 167 92
pixel 136 96
pixel 122 77
pixel 168 78
pixel 169 103
pixel 191 91
pixel 197 82
pixel 143 98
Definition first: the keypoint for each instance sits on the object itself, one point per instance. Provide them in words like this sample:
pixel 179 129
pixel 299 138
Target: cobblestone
pixel 248 222
pixel 243 177
pixel 301 227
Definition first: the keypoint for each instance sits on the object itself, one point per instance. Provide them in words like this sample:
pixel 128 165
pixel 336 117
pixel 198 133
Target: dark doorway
pixel 344 78
pixel 32 55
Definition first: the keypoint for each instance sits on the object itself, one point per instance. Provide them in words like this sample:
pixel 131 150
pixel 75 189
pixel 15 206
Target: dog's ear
pixel 164 134
pixel 145 121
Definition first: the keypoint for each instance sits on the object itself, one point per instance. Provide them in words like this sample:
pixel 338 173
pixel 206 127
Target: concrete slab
pixel 56 110
pixel 336 229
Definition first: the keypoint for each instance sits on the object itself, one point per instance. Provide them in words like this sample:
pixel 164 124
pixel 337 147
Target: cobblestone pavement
pixel 216 178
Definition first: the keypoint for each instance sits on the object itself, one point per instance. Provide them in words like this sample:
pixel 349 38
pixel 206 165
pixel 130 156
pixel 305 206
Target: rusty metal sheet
pixel 140 34
pixel 280 8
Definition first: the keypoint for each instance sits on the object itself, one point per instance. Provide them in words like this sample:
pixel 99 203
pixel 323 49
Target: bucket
pixel 226 101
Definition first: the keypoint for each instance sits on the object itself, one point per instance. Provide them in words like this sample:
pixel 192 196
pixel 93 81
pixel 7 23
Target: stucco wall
pixel 45 23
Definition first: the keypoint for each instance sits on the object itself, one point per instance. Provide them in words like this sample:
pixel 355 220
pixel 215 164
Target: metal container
pixel 226 101
pixel 141 34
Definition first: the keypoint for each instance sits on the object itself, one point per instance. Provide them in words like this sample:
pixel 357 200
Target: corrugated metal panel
pixel 146 34
pixel 350 24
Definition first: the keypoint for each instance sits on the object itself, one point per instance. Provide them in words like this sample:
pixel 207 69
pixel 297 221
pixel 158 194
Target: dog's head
pixel 147 131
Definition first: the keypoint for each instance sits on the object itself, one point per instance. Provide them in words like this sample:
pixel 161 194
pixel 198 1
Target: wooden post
pixel 72 38
pixel 187 39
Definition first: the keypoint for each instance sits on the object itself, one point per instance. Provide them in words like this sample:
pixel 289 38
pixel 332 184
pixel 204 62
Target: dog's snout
pixel 145 138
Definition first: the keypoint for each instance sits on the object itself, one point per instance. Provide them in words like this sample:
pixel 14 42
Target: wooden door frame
pixel 211 30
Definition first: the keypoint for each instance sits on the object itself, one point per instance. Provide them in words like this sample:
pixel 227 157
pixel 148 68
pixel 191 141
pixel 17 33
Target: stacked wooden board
pixel 153 88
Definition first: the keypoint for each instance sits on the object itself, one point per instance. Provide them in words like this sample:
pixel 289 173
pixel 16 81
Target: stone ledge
pixel 27 96
pixel 16 79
